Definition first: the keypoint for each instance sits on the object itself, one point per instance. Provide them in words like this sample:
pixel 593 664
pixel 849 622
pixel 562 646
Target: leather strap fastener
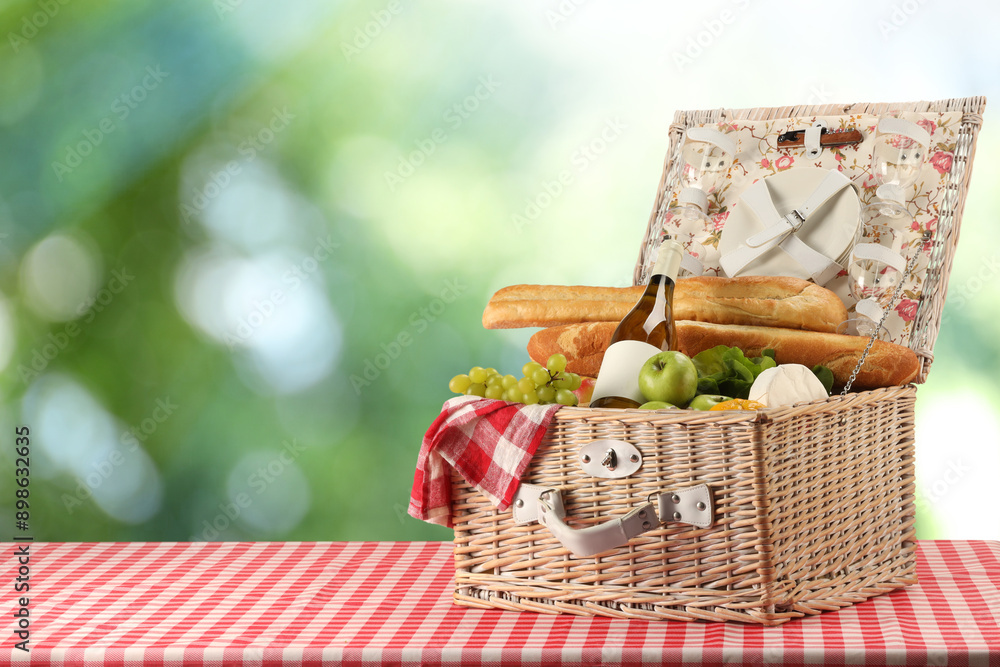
pixel 692 505
pixel 779 230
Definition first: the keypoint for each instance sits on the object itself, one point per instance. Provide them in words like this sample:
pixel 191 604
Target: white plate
pixel 830 230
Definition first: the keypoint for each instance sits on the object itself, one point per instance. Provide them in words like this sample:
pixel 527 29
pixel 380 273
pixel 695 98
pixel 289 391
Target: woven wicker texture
pixel 814 511
pixel 928 317
pixel 814 503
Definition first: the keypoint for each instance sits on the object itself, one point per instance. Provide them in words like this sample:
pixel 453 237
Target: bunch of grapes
pixel 539 384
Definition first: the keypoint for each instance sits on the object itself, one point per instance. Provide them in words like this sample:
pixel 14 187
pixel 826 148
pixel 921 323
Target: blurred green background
pixel 244 245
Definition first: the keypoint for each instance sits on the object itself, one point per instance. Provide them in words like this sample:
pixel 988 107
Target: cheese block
pixel 787 384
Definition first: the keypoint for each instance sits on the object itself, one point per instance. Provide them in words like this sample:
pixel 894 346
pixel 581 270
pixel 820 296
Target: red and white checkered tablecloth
pixel 360 603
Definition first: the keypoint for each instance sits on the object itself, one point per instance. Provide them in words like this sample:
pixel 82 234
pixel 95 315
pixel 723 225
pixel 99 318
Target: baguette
pixel 751 300
pixel 582 344
pixel 887 364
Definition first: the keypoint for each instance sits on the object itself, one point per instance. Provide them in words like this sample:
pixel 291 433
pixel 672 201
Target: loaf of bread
pixel 582 344
pixel 752 300
pixel 887 364
pixel 551 305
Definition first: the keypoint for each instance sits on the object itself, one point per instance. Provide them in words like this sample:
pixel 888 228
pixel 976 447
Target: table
pixel 357 603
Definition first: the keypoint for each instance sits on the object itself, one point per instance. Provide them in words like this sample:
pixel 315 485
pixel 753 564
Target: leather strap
pixel 611 534
pixel 906 128
pixel 692 265
pixel 869 308
pixel 714 137
pixel 811 140
pixel 693 505
pixel 878 253
pixel 779 230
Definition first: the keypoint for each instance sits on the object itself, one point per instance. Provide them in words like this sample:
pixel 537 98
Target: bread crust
pixel 752 300
pixel 583 344
pixel 887 364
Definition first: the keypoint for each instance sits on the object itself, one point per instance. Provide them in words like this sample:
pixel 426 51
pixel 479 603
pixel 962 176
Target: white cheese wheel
pixel 785 385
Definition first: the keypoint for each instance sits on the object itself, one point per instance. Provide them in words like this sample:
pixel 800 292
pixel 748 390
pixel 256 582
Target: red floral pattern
pixel 758 157
pixel 942 161
pixel 907 310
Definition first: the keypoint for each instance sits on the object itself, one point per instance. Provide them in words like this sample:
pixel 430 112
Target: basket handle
pixel 692 505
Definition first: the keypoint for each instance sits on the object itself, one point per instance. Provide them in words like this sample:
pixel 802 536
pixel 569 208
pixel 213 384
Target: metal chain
pixel 885 313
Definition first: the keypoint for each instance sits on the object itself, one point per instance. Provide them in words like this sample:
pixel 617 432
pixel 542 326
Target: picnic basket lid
pixel 968 115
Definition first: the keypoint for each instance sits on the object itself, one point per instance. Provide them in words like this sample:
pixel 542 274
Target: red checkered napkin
pixel 488 442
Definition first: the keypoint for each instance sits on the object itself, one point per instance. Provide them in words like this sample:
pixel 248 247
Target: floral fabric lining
pixel 758 156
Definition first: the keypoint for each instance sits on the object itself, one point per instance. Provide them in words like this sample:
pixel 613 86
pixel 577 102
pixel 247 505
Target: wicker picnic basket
pixel 812 505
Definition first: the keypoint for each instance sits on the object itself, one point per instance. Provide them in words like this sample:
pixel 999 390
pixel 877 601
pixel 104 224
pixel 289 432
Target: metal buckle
pixel 796 219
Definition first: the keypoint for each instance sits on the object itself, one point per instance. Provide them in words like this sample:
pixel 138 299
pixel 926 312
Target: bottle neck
pixel 668 262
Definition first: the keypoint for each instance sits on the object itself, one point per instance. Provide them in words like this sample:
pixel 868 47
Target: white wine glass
pixel 899 152
pixel 706 157
pixel 876 267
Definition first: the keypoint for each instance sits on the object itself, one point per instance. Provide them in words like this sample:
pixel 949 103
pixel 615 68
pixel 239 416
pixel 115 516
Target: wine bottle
pixel 646 330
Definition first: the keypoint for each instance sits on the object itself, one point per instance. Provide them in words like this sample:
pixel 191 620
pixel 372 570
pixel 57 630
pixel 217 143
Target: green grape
pixel 509 381
pixel 546 394
pixel 476 389
pixel 575 381
pixel 556 363
pixel 478 375
pixel 526 385
pixel 515 395
pixel 562 382
pixel 494 380
pixel 540 377
pixel 492 371
pixel 565 397
pixel 530 398
pixel 459 384
pixel 494 391
pixel 530 368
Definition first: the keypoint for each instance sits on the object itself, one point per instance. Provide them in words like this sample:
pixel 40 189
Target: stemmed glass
pixel 876 267
pixel 899 152
pixel 707 155
pixel 877 261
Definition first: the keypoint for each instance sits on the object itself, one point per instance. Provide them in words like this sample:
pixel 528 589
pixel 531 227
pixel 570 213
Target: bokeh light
pixel 79 438
pixel 59 277
pixel 291 186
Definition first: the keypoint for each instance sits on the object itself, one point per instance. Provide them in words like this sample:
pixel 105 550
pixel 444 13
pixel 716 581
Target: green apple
pixel 706 401
pixel 656 405
pixel 670 377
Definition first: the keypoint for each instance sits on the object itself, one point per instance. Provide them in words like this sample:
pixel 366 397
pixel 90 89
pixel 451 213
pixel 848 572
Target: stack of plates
pixel 832 229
